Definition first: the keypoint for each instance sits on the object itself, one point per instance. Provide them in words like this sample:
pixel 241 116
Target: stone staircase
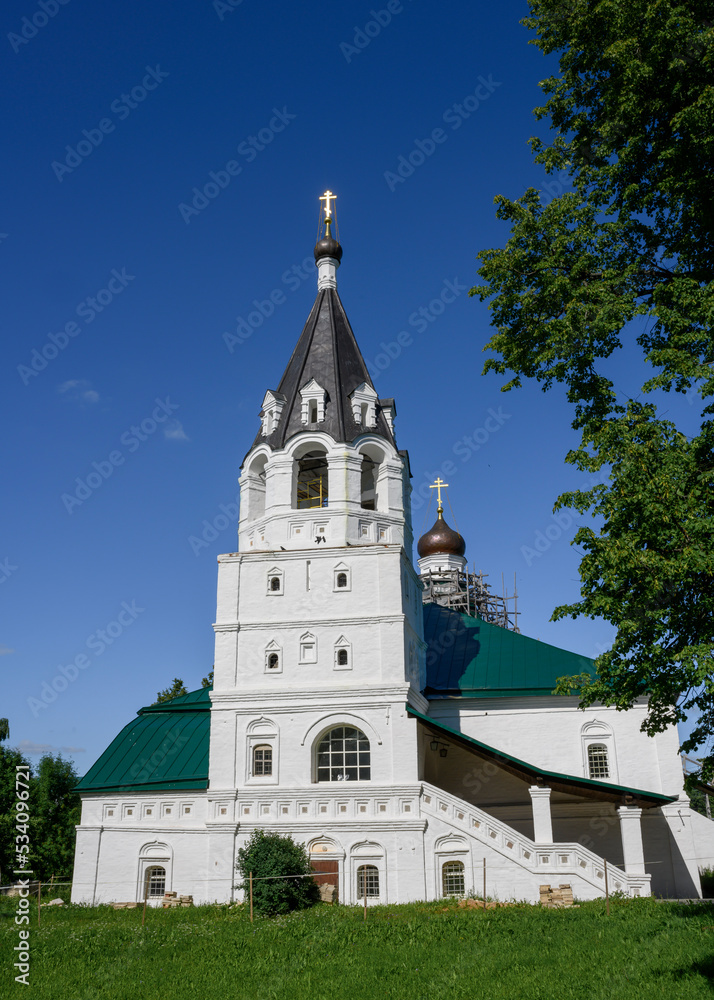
pixel 559 863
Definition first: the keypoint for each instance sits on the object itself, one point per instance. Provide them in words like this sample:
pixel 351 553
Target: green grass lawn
pixel 426 951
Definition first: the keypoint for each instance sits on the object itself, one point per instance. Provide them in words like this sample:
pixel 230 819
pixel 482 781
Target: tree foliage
pixel 54 809
pixel 175 691
pixel 270 854
pixel 626 256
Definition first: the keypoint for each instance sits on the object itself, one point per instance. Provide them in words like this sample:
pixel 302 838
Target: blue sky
pixel 130 399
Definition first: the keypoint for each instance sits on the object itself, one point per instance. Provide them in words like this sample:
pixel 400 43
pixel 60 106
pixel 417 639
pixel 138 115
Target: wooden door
pixel 327 873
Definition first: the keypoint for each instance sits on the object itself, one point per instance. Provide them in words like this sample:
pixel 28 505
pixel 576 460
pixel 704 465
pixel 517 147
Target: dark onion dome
pixel 441 540
pixel 328 247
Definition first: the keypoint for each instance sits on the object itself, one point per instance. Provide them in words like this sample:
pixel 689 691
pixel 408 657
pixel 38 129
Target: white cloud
pixel 174 431
pixel 28 747
pixel 5 650
pixel 79 390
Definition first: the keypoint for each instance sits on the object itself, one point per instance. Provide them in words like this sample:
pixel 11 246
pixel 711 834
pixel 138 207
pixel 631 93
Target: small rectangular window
pixel 262 761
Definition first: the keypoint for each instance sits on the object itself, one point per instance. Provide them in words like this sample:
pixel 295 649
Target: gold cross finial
pixel 328 197
pixel 439 485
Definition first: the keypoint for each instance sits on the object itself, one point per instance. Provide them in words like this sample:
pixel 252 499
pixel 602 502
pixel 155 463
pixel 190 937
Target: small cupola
pixel 440 539
pixel 441 548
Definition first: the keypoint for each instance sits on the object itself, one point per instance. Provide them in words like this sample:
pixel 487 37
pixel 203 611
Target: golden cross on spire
pixel 439 485
pixel 328 197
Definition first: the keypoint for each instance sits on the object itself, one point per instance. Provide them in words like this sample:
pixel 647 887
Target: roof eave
pixel 567 783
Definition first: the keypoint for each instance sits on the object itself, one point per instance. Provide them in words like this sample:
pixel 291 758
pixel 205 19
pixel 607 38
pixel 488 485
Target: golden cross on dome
pixel 439 485
pixel 328 197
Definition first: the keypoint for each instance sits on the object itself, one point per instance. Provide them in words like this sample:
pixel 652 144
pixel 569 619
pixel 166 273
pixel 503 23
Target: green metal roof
pixel 568 783
pixel 471 658
pixel 164 749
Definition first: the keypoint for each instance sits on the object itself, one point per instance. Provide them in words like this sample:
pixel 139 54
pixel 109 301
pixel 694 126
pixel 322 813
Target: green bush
pixel 267 855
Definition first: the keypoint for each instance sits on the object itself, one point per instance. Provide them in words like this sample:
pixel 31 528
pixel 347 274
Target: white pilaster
pixel 631 831
pixel 542 821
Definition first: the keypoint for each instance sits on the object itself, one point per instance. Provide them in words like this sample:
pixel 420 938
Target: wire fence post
pixel 607 892
pixel 146 893
pixel 365 903
pixel 39 897
pixel 484 883
pixel 250 882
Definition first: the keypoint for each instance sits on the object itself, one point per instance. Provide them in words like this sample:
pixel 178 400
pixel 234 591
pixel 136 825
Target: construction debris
pixel 172 899
pixel 556 898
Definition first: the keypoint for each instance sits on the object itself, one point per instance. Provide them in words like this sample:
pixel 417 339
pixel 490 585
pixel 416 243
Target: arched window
pixel 341 580
pixel 369 488
pixel 312 480
pixel 598 766
pixel 275 583
pixel 342 658
pixel 453 882
pixel 262 760
pixel 343 755
pixel 367 881
pixel 273 661
pixel 156 880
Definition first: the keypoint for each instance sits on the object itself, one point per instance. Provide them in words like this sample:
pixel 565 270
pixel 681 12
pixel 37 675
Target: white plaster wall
pixel 703 833
pixel 548 732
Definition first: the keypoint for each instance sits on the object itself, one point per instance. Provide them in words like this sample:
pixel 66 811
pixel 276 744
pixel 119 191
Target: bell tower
pixel 319 612
pixel 324 468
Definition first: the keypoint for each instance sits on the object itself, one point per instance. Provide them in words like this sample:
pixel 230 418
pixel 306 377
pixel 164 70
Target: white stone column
pixel 631 831
pixel 542 821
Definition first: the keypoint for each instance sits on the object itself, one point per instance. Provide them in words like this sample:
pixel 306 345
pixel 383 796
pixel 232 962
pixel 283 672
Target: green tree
pixel 10 760
pixel 177 688
pixel 207 682
pixel 626 255
pixel 269 854
pixel 57 811
pixel 54 809
pixel 4 729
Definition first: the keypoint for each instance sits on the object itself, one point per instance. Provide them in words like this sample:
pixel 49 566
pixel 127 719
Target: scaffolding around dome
pixel 468 592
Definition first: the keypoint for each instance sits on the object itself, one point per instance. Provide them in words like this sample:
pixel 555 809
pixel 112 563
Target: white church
pixel 391 718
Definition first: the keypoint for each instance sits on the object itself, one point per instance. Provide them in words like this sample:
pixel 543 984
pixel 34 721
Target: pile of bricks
pixel 556 898
pixel 173 899
pixel 124 906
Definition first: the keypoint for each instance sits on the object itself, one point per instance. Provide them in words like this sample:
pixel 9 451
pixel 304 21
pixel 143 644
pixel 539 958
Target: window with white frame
pixel 598 764
pixel 275 581
pixel 155 881
pixel 273 658
pixel 364 406
pixel 367 881
pixel 453 878
pixel 273 403
pixel 262 760
pixel 341 578
pixel 343 654
pixel 343 754
pixel 313 398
